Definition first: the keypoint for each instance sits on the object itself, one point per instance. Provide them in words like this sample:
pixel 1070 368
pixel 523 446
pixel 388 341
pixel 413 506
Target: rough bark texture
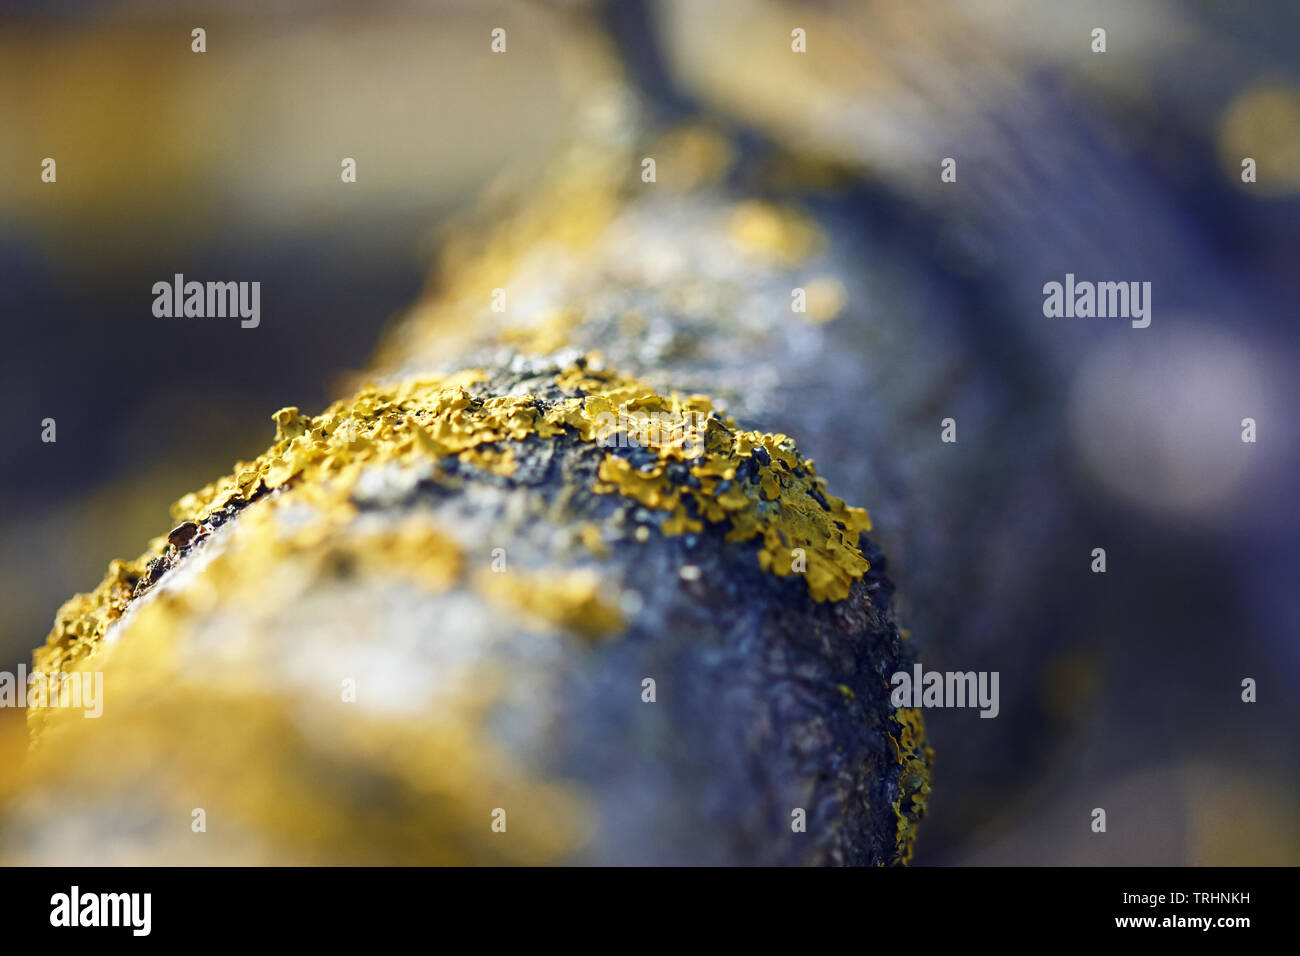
pixel 441 598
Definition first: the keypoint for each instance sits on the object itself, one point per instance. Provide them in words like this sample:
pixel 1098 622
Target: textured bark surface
pixel 440 598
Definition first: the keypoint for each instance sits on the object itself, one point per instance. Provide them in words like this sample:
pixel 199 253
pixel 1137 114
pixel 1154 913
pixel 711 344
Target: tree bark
pixel 547 590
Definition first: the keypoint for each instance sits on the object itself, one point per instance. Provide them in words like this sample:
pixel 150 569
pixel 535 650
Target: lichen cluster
pixel 915 757
pixel 695 464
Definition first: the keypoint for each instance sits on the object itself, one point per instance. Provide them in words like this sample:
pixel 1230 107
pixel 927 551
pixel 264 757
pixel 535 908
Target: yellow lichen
pixel 774 233
pixel 497 461
pixel 572 600
pixel 783 502
pixel 915 757
pixel 592 539
pixel 415 551
pixel 825 298
pixel 691 156
pixel 243 750
pixel 201 726
pixel 543 334
pixel 779 501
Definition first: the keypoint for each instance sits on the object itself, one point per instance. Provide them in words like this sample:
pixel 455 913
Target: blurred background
pixel 1123 165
